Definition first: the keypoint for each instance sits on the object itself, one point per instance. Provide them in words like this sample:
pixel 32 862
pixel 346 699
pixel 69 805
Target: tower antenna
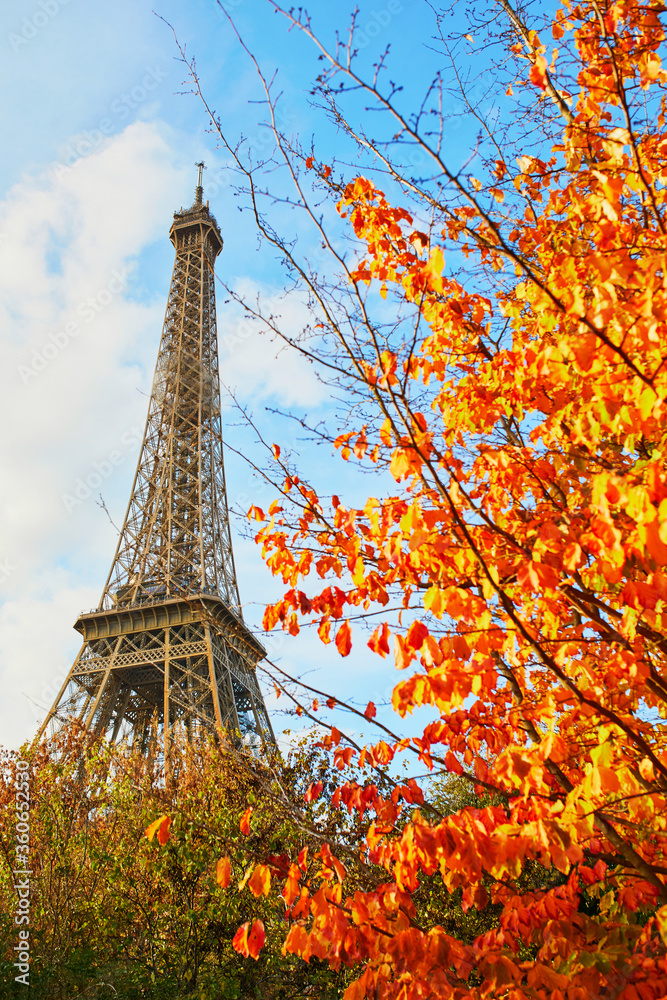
pixel 199 193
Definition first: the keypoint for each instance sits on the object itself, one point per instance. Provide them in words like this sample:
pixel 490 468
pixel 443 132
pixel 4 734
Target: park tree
pixel 497 335
pixel 116 914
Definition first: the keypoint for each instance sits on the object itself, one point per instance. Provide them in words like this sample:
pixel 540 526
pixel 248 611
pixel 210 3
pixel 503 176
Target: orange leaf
pixel 538 73
pixel 572 556
pixel 344 639
pixel 161 827
pixel 240 939
pixel 244 825
pixel 419 240
pixel 403 654
pixel 656 547
pixel 256 938
pixel 260 881
pixel 646 769
pixel 291 887
pixel 400 465
pixel 379 641
pixel 370 712
pixel 223 872
pixel 249 941
pixel 536 576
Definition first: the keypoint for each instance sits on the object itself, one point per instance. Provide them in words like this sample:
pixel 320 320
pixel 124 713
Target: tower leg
pixel 165 702
pixel 213 679
pixel 120 714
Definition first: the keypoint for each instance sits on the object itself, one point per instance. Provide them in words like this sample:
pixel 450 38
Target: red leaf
pixel 370 712
pixel 279 864
pixel 256 938
pixel 314 791
pixel 416 635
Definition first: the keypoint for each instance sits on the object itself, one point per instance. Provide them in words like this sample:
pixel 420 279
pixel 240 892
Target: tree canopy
pixel 498 336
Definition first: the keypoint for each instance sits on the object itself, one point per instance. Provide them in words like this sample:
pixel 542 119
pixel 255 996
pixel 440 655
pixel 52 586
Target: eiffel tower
pixel 167 646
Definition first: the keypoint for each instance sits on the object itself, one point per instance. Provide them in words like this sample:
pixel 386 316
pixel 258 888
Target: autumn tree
pixel 114 914
pixel 499 335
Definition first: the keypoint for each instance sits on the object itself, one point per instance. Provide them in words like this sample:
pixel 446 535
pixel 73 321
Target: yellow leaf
pixel 433 601
pixel 647 401
pixel 661 920
pixel 646 769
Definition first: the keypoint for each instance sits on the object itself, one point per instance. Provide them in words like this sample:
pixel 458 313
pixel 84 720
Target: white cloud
pixel 37 648
pixel 257 363
pixel 75 348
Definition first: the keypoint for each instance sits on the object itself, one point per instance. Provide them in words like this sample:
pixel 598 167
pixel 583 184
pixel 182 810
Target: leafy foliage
pixel 114 914
pixel 519 406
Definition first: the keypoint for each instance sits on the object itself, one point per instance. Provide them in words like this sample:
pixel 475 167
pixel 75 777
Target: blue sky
pixel 100 146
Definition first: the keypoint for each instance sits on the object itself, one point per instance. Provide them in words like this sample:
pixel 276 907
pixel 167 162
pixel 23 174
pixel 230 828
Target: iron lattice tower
pixel 167 645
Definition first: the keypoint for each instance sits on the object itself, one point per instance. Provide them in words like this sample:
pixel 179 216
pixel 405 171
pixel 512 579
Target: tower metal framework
pixel 167 646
